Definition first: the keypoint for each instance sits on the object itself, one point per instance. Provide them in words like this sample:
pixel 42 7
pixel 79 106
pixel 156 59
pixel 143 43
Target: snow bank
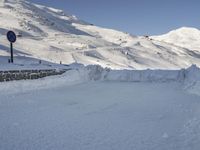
pixel 192 80
pixel 98 73
pixel 189 77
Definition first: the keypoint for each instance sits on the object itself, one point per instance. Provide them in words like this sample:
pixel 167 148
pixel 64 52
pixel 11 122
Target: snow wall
pixel 98 73
pixel 189 78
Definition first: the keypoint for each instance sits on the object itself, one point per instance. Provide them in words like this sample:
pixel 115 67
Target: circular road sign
pixel 11 36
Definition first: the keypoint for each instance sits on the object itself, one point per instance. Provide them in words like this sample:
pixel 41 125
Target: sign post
pixel 11 36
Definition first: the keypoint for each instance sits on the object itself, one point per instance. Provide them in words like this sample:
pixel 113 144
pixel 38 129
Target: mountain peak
pixel 186 30
pixel 187 37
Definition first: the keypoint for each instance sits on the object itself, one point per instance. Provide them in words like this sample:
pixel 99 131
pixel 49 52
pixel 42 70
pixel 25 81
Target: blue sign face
pixel 11 36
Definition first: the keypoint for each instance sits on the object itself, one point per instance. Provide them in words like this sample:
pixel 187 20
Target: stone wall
pixel 28 74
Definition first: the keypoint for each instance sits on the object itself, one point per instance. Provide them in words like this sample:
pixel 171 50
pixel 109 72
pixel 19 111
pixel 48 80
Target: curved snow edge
pixel 189 77
pixel 70 78
pixel 98 73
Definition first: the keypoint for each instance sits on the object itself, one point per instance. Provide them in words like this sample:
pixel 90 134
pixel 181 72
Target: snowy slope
pixel 52 35
pixel 185 37
pixel 70 112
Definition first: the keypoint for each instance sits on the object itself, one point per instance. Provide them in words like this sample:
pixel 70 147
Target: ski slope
pixel 54 36
pixel 93 108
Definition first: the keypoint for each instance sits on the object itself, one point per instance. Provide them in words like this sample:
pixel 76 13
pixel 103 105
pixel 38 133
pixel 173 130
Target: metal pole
pixel 11 51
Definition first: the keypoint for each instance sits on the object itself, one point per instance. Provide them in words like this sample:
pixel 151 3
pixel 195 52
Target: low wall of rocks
pixel 28 74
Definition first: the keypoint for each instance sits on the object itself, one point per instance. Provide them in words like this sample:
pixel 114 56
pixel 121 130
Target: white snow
pixel 91 108
pixel 52 35
pixel 189 78
pixel 186 37
pixel 147 100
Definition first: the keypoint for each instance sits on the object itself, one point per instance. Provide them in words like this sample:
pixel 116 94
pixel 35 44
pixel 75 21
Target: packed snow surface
pixel 94 108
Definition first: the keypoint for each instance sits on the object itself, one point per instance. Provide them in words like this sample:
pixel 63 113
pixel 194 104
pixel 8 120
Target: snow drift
pixel 98 73
pixel 190 78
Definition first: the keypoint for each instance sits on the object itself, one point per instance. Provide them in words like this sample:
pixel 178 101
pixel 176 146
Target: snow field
pixel 100 115
pixel 52 35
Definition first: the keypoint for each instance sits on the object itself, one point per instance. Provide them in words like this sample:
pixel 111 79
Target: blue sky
pixel 139 17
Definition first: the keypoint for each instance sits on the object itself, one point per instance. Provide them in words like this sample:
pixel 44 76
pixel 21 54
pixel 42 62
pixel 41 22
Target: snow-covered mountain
pixel 51 35
pixel 184 37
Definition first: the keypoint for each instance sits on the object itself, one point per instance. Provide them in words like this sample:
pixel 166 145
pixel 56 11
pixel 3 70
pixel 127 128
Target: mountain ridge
pixel 51 35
